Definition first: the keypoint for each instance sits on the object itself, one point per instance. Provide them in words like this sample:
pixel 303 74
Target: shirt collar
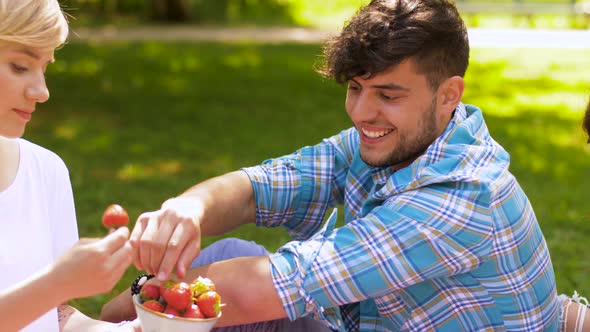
pixel 380 175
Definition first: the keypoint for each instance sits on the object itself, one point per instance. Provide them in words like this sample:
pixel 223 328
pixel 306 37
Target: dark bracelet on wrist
pixel 139 282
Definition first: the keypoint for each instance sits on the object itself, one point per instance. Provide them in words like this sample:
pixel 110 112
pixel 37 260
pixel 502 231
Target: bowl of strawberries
pixel 178 306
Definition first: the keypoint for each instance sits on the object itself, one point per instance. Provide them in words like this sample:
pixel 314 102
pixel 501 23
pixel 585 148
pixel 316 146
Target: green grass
pixel 139 122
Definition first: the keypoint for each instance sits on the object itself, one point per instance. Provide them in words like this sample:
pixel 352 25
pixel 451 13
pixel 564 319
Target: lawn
pixel 140 122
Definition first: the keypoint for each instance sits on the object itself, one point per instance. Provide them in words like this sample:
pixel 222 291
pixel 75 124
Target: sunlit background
pixel 140 121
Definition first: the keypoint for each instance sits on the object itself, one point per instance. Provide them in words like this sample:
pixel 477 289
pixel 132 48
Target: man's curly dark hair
pixel 386 32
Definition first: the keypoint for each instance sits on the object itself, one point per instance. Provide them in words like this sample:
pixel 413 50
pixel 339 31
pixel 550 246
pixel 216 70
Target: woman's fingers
pixel 112 242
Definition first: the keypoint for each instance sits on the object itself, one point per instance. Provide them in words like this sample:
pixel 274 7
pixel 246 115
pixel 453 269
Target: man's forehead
pixel 399 72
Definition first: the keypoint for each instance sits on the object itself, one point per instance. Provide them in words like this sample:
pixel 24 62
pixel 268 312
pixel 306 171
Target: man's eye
pixel 386 97
pixel 18 69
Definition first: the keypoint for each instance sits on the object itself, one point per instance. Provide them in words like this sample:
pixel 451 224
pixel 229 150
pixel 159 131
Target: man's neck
pixel 9 161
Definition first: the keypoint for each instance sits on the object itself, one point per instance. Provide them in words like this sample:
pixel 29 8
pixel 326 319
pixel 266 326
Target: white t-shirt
pixel 37 221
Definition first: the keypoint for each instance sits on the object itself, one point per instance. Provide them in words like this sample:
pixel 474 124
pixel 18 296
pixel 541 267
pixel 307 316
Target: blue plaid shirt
pixel 449 243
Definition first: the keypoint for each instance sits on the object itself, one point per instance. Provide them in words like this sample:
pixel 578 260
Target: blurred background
pixel 313 13
pixel 139 115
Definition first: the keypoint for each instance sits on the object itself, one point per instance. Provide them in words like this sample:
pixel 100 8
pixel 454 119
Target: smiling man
pixel 396 113
pixel 438 234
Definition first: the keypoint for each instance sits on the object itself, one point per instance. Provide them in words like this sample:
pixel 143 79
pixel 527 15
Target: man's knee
pixel 228 248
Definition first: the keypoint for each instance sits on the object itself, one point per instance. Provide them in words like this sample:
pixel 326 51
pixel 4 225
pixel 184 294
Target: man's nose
pixel 364 108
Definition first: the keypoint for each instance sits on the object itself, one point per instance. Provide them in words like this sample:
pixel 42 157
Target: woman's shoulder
pixel 40 156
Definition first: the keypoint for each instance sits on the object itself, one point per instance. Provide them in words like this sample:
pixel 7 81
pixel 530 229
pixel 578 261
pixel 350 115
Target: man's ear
pixel 450 93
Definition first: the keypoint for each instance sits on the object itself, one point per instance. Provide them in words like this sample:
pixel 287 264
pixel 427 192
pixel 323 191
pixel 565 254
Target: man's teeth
pixel 376 134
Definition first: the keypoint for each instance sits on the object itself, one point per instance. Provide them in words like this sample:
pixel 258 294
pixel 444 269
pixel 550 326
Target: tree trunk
pixel 171 10
pixel 179 10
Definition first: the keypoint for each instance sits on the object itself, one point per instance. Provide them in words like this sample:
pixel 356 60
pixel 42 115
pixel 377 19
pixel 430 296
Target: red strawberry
pixel 164 285
pixel 171 311
pixel 178 296
pixel 115 216
pixel 154 305
pixel 150 292
pixel 193 312
pixel 209 303
pixel 201 285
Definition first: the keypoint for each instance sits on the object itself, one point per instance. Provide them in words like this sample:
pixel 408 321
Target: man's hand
pixel 171 237
pixel 168 238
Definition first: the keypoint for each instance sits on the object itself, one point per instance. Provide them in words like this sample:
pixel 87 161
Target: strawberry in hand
pixel 115 216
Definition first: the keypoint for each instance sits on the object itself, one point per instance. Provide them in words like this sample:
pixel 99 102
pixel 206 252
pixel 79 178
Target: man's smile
pixel 374 133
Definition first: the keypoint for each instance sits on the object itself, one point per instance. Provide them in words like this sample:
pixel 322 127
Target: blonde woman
pixel 42 263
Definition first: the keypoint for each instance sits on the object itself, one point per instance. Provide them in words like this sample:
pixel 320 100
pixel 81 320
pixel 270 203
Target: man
pixel 438 235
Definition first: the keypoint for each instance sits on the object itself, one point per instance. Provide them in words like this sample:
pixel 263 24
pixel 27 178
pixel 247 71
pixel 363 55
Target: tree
pixel 171 10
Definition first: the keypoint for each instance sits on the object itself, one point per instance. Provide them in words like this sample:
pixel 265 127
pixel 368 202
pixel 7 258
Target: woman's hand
pixel 92 266
pixel 127 326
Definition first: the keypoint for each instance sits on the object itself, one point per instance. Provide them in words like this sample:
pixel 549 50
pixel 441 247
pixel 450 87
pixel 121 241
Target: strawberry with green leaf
pixel 209 303
pixel 149 292
pixel 201 285
pixel 178 295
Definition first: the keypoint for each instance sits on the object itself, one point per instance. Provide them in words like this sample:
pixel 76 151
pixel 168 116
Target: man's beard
pixel 409 149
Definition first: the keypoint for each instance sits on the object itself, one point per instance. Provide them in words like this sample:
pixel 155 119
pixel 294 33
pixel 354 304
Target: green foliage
pixel 312 13
pixel 261 12
pixel 140 122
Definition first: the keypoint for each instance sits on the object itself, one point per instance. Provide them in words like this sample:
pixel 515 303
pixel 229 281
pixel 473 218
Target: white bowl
pixel 152 321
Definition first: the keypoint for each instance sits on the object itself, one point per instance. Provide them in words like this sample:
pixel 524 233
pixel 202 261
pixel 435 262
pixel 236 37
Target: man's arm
pixel 245 285
pixel 228 202
pixel 171 236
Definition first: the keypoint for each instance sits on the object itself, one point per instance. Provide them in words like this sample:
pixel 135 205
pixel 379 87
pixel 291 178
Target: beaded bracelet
pixel 139 282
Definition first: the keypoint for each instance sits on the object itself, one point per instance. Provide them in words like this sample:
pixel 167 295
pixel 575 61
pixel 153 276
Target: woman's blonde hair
pixel 34 23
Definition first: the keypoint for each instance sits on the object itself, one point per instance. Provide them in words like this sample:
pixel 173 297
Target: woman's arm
pixel 28 300
pixel 73 320
pixel 90 267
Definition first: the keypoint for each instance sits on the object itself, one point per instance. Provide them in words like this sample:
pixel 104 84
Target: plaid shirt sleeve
pixel 296 191
pixel 418 235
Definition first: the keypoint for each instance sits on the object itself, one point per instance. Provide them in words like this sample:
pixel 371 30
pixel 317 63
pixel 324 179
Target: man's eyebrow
pixel 388 86
pixel 32 54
